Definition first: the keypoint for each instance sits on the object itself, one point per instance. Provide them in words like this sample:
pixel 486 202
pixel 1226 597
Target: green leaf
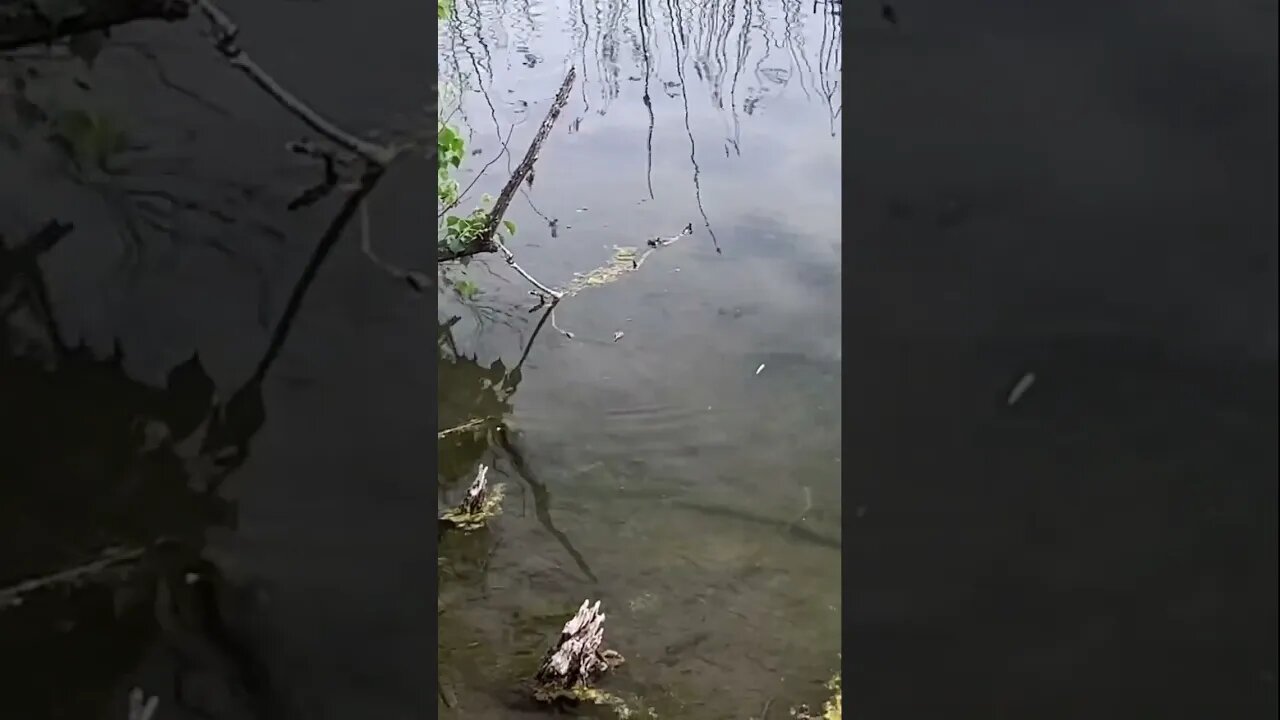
pixel 510 226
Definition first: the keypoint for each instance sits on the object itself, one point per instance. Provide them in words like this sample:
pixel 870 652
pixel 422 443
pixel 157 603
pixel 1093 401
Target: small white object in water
pixel 618 335
pixel 760 369
pixel 1021 388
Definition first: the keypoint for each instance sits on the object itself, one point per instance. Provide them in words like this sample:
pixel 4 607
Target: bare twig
pixel 414 278
pixel 14 594
pixel 320 190
pixel 468 426
pixel 226 34
pixel 486 241
pixel 511 260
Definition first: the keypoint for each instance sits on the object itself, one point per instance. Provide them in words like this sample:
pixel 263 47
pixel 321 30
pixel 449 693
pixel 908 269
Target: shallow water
pixel 687 474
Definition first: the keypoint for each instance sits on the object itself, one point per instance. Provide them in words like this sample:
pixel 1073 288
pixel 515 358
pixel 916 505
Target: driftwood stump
pixel 577 660
pixel 481 502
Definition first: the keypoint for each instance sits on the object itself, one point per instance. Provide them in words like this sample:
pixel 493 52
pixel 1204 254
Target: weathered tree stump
pixel 577 660
pixel 481 502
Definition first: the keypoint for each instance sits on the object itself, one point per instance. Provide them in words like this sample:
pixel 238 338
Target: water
pixel 696 498
pixel 279 448
pixel 299 498
pixel 1084 192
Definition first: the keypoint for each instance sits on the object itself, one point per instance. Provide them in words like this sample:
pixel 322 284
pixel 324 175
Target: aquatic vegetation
pixel 625 259
pixel 831 709
pixel 456 233
pixel 91 139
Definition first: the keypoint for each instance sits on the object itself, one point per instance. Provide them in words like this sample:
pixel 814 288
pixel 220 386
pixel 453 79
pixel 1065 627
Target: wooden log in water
pixel 473 503
pixel 577 659
pixel 482 502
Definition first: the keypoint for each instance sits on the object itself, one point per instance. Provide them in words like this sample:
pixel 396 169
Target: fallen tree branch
pixel 416 279
pixel 110 560
pixel 511 260
pixel 226 34
pixel 23 22
pixel 327 183
pixel 486 242
pixel 475 425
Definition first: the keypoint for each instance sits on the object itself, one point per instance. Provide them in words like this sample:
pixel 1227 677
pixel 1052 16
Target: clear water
pixel 686 475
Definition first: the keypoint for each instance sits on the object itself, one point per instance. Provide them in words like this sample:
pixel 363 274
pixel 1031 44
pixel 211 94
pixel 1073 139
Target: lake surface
pixel 687 475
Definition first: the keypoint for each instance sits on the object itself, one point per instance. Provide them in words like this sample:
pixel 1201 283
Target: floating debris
pixel 760 369
pixel 618 335
pixel 625 260
pixel 1021 388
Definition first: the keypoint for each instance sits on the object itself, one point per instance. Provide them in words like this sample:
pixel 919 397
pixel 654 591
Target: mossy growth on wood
pixel 482 502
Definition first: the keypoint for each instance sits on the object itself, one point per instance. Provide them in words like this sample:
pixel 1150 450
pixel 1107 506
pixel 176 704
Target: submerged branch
pixel 110 560
pixel 23 22
pixel 473 426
